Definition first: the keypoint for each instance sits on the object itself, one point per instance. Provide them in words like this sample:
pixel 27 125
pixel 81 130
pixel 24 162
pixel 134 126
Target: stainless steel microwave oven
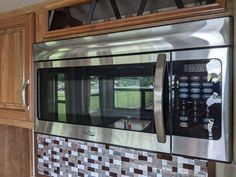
pixel 165 89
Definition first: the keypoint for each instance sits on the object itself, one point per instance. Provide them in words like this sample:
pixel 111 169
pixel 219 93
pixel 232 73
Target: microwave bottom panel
pixel 202 148
pixel 123 138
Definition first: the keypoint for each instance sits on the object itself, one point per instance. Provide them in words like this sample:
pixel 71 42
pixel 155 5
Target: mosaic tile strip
pixel 63 157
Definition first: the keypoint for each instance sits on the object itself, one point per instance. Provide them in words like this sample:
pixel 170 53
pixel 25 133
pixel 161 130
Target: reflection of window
pixel 61 102
pixel 133 92
pixel 94 94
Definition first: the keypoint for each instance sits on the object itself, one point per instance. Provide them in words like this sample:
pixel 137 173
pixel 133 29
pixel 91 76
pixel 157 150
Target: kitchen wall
pixel 65 157
pixel 229 170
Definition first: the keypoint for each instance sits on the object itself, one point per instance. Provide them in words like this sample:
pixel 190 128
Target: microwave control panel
pixel 197 98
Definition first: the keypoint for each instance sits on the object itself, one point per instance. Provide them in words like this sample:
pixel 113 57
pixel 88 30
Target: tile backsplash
pixel 64 157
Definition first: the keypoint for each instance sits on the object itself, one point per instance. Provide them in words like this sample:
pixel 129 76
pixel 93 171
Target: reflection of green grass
pixel 131 99
pixel 94 103
pixel 123 99
pixel 61 96
pixel 62 112
pixel 61 107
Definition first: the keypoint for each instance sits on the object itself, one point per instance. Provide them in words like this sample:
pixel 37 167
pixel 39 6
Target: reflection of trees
pixel 134 81
pixel 213 77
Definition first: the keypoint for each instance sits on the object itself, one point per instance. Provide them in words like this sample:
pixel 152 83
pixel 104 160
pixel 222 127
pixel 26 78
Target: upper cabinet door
pixel 16 36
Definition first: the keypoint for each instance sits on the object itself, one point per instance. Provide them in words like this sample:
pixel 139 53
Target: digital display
pixel 190 68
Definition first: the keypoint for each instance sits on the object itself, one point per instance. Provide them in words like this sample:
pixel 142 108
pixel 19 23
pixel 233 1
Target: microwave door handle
pixel 158 98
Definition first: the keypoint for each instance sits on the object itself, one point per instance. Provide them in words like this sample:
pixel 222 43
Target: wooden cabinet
pixel 15 151
pixel 17 37
pixel 76 25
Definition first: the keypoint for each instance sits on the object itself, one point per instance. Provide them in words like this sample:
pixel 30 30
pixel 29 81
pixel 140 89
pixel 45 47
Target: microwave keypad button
pixel 195 96
pixel 183 118
pixel 183 124
pixel 207 90
pixel 183 96
pixel 183 78
pixel 195 78
pixel 195 84
pixel 183 84
pixel 207 84
pixel 206 96
pixel 183 90
pixel 195 90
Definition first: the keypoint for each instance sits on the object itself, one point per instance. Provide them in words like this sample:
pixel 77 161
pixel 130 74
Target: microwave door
pixel 158 98
pixel 106 99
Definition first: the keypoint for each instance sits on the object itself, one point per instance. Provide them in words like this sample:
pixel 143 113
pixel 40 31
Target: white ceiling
pixel 8 5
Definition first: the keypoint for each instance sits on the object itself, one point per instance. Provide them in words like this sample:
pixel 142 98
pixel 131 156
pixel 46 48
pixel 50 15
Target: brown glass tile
pixel 79 162
pixel 69 152
pixel 71 164
pixel 125 159
pixel 80 150
pixel 187 166
pixel 113 174
pixel 91 161
pixel 55 142
pixel 164 157
pixel 141 157
pixel 61 150
pixel 65 159
pixel 91 169
pixel 100 158
pixel 110 160
pixel 38 156
pixel 107 146
pixel 45 143
pixel 104 168
pixel 94 149
pixel 53 160
pixel 54 152
pixel 80 174
pixel 137 171
pixel 123 172
pixel 57 171
pixel 150 169
pixel 174 169
pixel 45 165
pixel 45 172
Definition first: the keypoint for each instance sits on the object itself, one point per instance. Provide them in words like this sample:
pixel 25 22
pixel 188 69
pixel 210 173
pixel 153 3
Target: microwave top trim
pixel 189 35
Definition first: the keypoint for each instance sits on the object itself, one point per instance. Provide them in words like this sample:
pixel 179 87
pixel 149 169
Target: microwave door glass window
pixel 116 96
pixel 61 100
pixel 133 92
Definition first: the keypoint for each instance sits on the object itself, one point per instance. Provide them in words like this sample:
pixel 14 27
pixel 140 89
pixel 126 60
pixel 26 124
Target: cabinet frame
pixel 219 7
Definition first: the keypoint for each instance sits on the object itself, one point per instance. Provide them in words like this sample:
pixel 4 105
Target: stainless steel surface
pixel 118 60
pixel 158 98
pixel 23 94
pixel 206 33
pixel 138 140
pixel 222 169
pixel 203 148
